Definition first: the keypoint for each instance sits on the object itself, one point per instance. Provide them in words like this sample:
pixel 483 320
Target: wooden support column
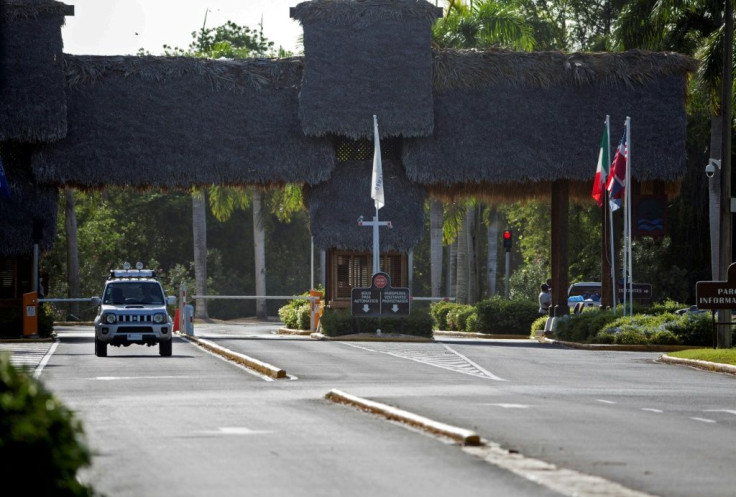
pixel 560 230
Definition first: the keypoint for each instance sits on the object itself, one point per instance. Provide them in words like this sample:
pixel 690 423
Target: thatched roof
pixel 29 202
pixel 175 122
pixel 519 121
pixel 335 205
pixel 381 65
pixel 33 103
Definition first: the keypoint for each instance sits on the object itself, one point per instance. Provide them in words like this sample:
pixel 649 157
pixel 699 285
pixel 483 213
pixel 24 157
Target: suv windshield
pixel 134 292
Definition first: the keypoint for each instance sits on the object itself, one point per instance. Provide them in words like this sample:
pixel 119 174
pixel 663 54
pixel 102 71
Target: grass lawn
pixel 724 356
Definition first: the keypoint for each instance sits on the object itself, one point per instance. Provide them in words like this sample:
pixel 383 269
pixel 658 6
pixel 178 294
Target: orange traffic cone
pixel 176 320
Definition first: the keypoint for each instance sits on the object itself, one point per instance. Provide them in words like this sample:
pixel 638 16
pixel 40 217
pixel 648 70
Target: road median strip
pixel 461 435
pixel 249 362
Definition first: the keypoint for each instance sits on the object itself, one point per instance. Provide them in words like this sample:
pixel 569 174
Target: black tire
pixel 164 348
pixel 100 348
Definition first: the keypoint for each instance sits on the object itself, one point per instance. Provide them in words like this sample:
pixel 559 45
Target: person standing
pixel 545 299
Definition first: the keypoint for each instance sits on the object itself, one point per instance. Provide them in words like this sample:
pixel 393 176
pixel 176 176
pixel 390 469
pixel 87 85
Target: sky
pixel 121 27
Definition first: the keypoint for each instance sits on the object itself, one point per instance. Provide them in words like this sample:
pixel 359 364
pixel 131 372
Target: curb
pixel 372 337
pixel 626 348
pixel 487 336
pixel 706 365
pixel 262 367
pixel 461 435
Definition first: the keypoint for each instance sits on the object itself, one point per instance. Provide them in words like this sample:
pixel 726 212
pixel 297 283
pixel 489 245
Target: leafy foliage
pixel 41 441
pixel 338 322
pixel 498 315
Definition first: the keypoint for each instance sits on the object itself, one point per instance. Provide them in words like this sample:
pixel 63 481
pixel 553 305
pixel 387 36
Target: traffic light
pixel 507 239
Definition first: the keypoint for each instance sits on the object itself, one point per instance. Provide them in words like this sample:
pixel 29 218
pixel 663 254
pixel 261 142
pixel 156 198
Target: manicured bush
pixel 660 328
pixel 458 315
pixel 41 442
pixel 338 322
pixel 539 324
pixel 296 314
pixel 501 316
pixel 439 311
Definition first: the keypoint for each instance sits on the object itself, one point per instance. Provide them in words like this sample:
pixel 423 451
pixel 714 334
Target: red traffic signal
pixel 507 239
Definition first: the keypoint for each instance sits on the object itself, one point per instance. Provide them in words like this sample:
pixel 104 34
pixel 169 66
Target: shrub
pixel 296 314
pixel 471 323
pixel 338 322
pixel 438 311
pixel 498 315
pixel 40 440
pixel 458 315
pixel 539 324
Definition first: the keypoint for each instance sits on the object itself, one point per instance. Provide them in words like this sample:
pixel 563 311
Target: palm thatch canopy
pixel 175 122
pixel 336 205
pixel 29 203
pixel 365 57
pixel 33 103
pixel 515 122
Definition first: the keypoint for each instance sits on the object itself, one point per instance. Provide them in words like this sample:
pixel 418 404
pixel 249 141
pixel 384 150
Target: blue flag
pixel 4 186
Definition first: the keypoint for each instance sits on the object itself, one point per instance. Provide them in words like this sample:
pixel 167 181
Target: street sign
pixel 717 294
pixel 380 299
pixel 639 291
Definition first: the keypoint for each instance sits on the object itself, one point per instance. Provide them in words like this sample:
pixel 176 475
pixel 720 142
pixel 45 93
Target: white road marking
pixel 729 411
pixel 238 430
pixel 650 409
pixel 704 420
pixel 603 401
pixel 429 354
pixel 118 378
pixel 509 406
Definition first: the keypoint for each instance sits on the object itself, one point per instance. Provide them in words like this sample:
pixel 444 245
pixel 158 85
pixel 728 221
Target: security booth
pixel 347 269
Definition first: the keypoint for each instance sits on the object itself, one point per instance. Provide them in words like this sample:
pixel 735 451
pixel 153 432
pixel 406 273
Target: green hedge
pixel 40 439
pixel 658 327
pixel 500 316
pixel 339 322
pixel 296 314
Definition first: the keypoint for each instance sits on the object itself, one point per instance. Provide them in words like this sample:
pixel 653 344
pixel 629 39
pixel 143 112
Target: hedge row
pixel 492 316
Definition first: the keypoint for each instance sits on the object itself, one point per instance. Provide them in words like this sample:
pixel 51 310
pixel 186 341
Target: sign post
pixel 718 295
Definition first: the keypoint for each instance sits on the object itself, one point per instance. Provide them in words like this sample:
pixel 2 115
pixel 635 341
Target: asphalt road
pixel 195 424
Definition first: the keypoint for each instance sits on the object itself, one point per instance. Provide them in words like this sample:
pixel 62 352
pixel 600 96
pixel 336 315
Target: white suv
pixel 133 311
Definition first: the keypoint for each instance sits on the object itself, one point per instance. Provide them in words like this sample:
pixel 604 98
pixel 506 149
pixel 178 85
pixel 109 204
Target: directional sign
pixel 380 299
pixel 639 291
pixel 717 294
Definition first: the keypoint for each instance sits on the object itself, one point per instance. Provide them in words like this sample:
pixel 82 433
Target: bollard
pixel 189 319
pixel 30 314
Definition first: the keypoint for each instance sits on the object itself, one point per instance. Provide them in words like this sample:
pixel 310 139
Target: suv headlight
pixel 109 318
pixel 159 318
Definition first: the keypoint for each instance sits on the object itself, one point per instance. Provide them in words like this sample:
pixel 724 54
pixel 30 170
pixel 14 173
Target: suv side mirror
pixel 95 301
pixel 171 300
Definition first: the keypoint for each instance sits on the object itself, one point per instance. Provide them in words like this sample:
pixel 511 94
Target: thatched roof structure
pixel 511 123
pixel 334 208
pixel 365 57
pixel 33 103
pixel 29 203
pixel 175 122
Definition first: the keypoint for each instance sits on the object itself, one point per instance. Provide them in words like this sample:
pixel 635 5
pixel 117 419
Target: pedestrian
pixel 545 299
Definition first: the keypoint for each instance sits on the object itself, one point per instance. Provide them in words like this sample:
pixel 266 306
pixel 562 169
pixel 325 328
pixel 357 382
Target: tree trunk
pixel 72 250
pixel 462 262
pixel 259 249
pixel 435 235
pixel 472 259
pixel 492 255
pixel 199 232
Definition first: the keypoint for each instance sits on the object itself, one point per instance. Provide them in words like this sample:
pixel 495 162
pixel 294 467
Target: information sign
pixel 380 299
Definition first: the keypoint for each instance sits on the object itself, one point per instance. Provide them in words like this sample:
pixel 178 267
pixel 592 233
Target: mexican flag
pixel 601 172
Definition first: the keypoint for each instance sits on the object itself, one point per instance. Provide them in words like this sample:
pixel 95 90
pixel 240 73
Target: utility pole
pixel 723 335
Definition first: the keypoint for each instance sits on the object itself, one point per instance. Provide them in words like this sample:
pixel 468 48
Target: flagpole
pixel 610 222
pixel 628 213
pixel 376 245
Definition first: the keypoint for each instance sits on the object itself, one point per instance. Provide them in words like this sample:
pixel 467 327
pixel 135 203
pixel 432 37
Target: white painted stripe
pixel 728 411
pixel 509 406
pixel 650 409
pixel 486 372
pixel 604 401
pixel 45 360
pixel 704 420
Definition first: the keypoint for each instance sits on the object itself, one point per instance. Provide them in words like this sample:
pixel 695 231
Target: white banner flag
pixel 377 177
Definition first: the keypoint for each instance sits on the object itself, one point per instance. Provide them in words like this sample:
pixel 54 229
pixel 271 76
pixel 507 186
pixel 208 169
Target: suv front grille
pixel 135 318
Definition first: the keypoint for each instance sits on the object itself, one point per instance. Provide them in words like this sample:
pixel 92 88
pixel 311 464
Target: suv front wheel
pixel 100 348
pixel 164 348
